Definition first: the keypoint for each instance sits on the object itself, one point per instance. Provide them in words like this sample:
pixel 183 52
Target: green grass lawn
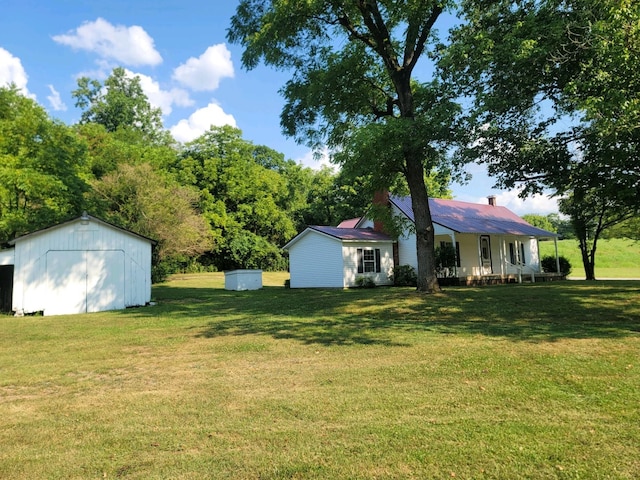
pixel 518 381
pixel 615 258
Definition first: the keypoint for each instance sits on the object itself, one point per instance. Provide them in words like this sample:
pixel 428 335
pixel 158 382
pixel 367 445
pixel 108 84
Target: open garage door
pixel 84 281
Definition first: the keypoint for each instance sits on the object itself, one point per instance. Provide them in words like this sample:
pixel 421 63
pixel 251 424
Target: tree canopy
pixel 42 167
pixel 353 89
pixel 119 103
pixel 555 100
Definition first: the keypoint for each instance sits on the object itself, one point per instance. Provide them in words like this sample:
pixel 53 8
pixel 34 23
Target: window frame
pixel 372 262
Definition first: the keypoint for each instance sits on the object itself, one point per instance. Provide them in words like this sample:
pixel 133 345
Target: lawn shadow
pixel 383 316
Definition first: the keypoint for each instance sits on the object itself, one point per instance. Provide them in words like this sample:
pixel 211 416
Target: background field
pixel 517 381
pixel 615 258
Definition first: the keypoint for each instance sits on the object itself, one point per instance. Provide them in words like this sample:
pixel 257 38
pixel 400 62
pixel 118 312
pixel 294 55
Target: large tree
pixel 246 198
pixel 119 103
pixel 152 203
pixel 353 87
pixel 42 167
pixel 556 102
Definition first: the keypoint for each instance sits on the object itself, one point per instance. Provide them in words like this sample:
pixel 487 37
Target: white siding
pixel 350 259
pixel 315 260
pixel 105 267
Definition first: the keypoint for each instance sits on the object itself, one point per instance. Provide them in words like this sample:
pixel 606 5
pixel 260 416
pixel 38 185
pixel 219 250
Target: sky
pixel 186 67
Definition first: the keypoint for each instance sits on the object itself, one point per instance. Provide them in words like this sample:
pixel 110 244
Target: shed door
pixel 84 281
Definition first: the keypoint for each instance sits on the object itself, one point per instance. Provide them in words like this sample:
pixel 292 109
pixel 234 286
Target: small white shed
pixel 83 265
pixel 335 257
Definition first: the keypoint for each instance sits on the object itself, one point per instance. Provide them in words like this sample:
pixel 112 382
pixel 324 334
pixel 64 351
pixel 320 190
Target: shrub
pixel 549 265
pixel 445 257
pixel 365 282
pixel 404 276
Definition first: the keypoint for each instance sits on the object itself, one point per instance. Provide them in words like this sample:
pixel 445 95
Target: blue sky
pixel 186 66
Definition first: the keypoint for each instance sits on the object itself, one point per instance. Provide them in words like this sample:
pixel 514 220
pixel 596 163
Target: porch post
pixel 555 242
pixel 453 242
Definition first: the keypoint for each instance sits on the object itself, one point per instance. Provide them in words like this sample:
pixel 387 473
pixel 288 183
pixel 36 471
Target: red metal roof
pixel 465 217
pixel 355 234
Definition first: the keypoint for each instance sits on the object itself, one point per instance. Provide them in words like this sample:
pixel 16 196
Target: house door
pixel 84 281
pixel 485 255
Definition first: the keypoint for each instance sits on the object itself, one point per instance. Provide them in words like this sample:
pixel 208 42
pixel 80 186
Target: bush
pixel 404 276
pixel 365 282
pixel 445 257
pixel 549 265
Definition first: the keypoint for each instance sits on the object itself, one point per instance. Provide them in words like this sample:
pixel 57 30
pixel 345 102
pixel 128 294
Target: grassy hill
pixel 615 258
pixel 515 381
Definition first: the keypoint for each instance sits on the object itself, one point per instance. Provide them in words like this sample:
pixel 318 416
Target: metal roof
pixel 465 217
pixel 353 234
pixel 83 217
pixel 343 234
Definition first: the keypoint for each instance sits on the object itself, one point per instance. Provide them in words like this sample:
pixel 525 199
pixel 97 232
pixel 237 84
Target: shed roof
pixel 84 216
pixel 343 234
pixel 465 217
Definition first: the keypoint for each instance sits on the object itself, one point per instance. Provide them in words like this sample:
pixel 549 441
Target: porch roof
pixel 465 217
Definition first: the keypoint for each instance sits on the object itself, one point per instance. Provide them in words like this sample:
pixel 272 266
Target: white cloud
pixel 164 99
pixel 11 71
pixel 127 45
pixel 316 161
pixel 54 99
pixel 200 121
pixel 537 204
pixel 205 72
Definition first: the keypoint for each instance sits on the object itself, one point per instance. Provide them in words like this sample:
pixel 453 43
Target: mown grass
pixel 615 258
pixel 517 381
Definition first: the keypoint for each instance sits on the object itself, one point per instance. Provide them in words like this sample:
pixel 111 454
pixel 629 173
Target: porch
pixel 497 279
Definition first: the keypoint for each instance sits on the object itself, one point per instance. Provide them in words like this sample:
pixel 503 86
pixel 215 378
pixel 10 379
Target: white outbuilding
pixel 337 257
pixel 80 266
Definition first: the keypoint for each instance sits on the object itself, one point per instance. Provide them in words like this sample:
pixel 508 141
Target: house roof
pixel 465 217
pixel 343 234
pixel 84 216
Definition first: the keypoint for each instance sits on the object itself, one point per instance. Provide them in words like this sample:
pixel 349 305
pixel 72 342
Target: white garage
pixel 84 265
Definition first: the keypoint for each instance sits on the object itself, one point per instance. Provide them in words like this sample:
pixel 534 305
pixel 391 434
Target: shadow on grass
pixel 384 316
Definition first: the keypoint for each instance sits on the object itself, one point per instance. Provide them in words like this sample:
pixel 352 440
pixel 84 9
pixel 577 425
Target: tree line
pixel 218 202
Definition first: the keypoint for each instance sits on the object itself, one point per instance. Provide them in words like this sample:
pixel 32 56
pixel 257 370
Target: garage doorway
pixel 84 281
pixel 6 288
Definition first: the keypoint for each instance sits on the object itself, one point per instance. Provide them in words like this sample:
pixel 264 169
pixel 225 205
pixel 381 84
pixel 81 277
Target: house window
pixel 368 260
pixel 516 256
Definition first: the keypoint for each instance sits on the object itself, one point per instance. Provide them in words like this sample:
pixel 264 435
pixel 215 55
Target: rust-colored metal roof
pixel 465 217
pixel 353 234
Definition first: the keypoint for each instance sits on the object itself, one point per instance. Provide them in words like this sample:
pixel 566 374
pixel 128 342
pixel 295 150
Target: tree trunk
pixel 588 259
pixel 425 242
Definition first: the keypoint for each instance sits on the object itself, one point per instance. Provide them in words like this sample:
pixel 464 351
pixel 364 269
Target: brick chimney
pixel 380 197
pixel 492 200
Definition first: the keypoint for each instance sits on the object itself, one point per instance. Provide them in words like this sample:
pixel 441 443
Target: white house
pixel 336 257
pixel 492 244
pixel 83 265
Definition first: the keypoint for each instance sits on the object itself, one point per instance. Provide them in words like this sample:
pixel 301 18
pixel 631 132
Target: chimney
pixel 380 197
pixel 492 200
